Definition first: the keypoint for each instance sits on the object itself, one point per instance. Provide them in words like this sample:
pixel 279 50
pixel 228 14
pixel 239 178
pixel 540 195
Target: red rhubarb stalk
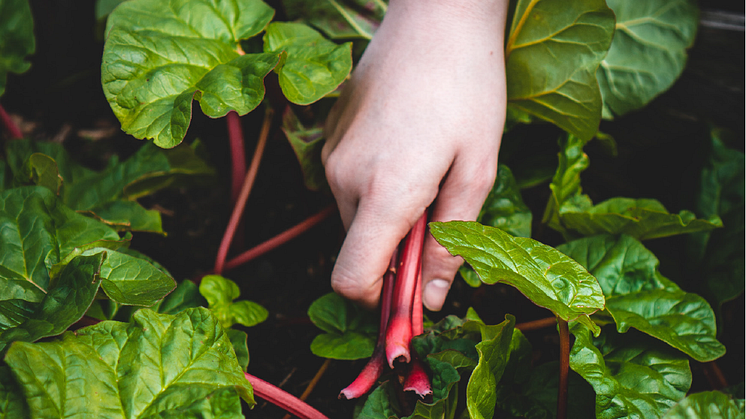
pixel 13 130
pixel 283 399
pixel 417 379
pixel 564 333
pixel 373 369
pixel 238 153
pixel 399 332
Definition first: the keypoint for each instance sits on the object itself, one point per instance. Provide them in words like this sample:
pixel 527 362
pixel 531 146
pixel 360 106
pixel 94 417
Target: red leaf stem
pixel 283 399
pixel 536 324
pixel 417 379
pixel 238 153
pixel 564 332
pixel 238 209
pixel 13 130
pixel 399 332
pixel 373 369
pixel 281 238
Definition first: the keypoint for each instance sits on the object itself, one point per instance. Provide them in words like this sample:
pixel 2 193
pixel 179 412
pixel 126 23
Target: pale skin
pixel 417 126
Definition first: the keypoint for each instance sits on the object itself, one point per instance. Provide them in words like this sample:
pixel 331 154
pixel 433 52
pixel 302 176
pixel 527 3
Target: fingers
pixel 460 198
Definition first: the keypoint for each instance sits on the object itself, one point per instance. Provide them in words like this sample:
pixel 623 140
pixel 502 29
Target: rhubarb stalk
pixel 283 399
pixel 399 332
pixel 373 369
pixel 417 379
pixel 13 130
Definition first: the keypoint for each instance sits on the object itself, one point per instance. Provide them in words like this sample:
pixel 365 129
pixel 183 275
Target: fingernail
pixel 435 294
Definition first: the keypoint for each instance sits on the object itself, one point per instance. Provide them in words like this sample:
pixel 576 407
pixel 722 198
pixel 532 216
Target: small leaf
pixel 339 19
pixel 156 366
pixel 41 170
pixel 631 377
pixel 638 296
pixel 314 65
pixel 17 33
pixel 543 274
pixel 553 50
pixel 160 56
pixel 504 207
pixel 220 293
pixel 648 52
pixel 350 331
pixel 307 144
pixel 708 404
pixel 350 345
pixel 565 184
pixel 133 281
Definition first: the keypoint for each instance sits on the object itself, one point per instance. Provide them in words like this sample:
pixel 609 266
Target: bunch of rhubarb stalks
pixel 401 319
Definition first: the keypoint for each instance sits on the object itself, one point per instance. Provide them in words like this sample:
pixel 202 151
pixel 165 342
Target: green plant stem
pixel 564 332
pixel 243 196
pixel 536 324
pixel 13 130
pixel 281 238
pixel 283 399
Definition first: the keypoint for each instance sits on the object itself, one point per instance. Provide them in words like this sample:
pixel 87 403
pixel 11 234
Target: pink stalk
pixel 373 369
pixel 238 153
pixel 399 332
pixel 13 130
pixel 243 196
pixel 283 399
pixel 417 379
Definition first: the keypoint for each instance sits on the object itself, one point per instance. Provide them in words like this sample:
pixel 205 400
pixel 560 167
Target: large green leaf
pixel 339 19
pixel 307 144
pixel 552 53
pixel 220 293
pixel 350 331
pixel 544 275
pixel 648 52
pixel 633 378
pixel 16 38
pixel 708 404
pixel 159 56
pixel 156 366
pixel 638 296
pixel 12 403
pixel 504 207
pixel 313 67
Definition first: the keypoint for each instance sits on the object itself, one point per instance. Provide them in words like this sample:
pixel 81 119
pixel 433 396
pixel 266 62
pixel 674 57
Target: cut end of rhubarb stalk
pixel 398 337
pixel 417 380
pixel 367 378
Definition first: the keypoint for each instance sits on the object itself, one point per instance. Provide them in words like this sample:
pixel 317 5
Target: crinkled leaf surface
pixel 160 55
pixel 314 65
pixel 156 366
pixel 708 404
pixel 220 293
pixel 12 403
pixel 565 184
pixel 350 331
pixel 339 19
pixel 186 295
pixel 133 281
pixel 648 51
pixel 552 53
pixel 544 275
pixel 307 144
pixel 16 38
pixel 638 296
pixel 641 218
pixel 504 207
pixel 41 170
pixel 632 377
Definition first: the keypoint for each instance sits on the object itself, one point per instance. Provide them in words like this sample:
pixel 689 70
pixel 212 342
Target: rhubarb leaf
pixel 638 296
pixel 12 403
pixel 239 340
pixel 631 375
pixel 41 170
pixel 648 52
pixel 159 56
pixel 314 65
pixel 565 186
pixel 350 331
pixel 220 293
pixel 708 404
pixel 494 351
pixel 544 275
pixel 16 38
pixel 186 295
pixel 504 207
pixel 339 19
pixel 63 304
pixel 552 52
pixel 307 144
pixel 155 366
pixel 378 404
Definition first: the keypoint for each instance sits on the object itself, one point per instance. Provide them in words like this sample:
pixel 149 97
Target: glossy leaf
pixel 708 404
pixel 307 144
pixel 553 50
pixel 17 38
pixel 350 331
pixel 314 65
pixel 544 275
pixel 133 281
pixel 631 377
pixel 504 207
pixel 128 215
pixel 12 403
pixel 220 293
pixel 156 366
pixel 349 345
pixel 648 52
pixel 638 296
pixel 339 19
pixel 159 56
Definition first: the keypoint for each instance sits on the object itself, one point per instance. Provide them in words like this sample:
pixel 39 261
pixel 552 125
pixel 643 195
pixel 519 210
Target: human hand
pixel 418 125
